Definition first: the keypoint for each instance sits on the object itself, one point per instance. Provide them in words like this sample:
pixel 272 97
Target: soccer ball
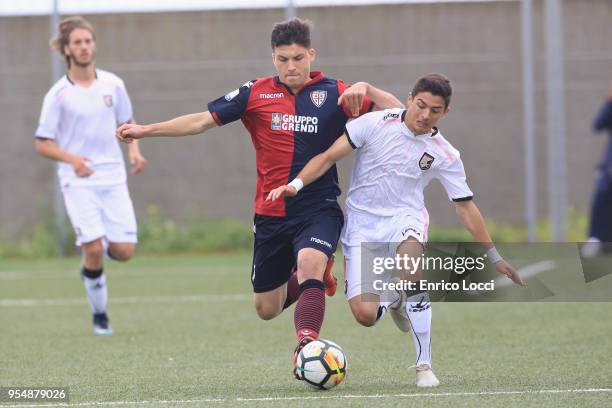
pixel 321 364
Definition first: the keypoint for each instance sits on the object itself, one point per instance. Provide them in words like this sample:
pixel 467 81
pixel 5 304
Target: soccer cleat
pixel 329 280
pixel 398 312
pixel 425 376
pixel 101 326
pixel 591 248
pixel 304 341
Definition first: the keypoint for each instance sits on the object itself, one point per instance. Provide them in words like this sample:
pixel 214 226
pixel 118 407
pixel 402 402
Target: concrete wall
pixel 174 63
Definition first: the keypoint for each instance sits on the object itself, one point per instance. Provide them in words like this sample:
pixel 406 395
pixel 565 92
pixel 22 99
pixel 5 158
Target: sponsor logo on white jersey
pixel 295 123
pixel 271 95
pixel 318 97
pixel 391 116
pixel 108 100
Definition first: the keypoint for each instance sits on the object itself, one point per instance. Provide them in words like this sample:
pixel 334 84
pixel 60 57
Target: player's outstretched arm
pixel 185 125
pixel 49 149
pixel 353 97
pixel 315 168
pixel 472 219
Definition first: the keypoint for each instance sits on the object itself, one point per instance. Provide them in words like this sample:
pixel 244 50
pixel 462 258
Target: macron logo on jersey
pixel 271 95
pixel 295 123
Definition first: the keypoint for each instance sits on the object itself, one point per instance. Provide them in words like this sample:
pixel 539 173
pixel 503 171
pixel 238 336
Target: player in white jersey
pixel 77 129
pixel 398 153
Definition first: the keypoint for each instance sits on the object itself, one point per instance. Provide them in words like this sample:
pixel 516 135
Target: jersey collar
pixel 315 76
pixel 406 129
pixel 72 82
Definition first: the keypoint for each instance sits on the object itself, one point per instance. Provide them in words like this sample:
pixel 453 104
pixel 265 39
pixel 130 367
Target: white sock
pixel 418 308
pixel 97 293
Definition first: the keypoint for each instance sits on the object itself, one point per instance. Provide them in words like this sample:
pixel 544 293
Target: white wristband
pixel 297 184
pixel 493 255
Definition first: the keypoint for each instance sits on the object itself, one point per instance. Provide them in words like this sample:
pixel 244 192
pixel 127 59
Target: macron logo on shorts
pixel 321 242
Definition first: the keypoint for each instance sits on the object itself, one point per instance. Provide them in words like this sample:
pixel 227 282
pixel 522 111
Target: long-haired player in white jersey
pixel 77 129
pixel 398 153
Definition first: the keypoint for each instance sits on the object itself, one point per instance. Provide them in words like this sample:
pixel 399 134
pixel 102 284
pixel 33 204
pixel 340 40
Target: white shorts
pixel 388 233
pixel 101 211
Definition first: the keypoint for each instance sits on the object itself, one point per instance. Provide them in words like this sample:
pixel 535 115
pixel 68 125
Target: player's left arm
pixel 472 219
pixel 353 99
pixel 137 160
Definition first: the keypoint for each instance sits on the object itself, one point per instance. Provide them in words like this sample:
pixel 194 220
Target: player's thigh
pixel 273 256
pixel 315 241
pixel 362 297
pixel 118 215
pixel 84 209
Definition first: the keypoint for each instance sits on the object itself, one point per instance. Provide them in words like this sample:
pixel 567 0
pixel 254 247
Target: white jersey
pixel 393 167
pixel 83 121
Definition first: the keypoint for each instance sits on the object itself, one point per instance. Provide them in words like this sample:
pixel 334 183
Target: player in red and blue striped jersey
pixel 291 117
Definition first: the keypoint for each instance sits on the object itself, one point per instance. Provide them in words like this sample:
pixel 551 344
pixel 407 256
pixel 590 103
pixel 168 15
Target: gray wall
pixel 174 63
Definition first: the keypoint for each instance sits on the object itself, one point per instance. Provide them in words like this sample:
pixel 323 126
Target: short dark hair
pixel 436 84
pixel 294 31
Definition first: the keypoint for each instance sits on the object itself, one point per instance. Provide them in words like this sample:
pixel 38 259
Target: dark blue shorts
pixel 279 239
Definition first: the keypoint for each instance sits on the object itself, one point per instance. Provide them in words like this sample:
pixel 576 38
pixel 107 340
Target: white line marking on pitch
pixel 124 300
pixel 330 397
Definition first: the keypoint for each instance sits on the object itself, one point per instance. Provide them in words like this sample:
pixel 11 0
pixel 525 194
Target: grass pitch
pixel 187 335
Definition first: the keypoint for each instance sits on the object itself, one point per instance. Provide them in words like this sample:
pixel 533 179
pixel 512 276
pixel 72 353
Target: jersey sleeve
pixel 366 106
pixel 603 119
pixel 123 107
pixel 453 179
pixel 359 130
pixel 49 117
pixel 232 106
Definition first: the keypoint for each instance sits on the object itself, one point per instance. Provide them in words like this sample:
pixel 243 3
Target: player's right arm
pixel 47 131
pixel 315 168
pixel 49 149
pixel 192 124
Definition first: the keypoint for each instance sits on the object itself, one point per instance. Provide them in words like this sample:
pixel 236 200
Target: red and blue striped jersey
pixel 287 130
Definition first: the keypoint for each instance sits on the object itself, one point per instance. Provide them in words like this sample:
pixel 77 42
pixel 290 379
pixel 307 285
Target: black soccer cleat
pixel 101 326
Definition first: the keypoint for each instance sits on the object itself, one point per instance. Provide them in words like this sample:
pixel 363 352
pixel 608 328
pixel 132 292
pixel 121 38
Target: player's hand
pixel 282 191
pixel 352 98
pixel 80 166
pixel 505 268
pixel 130 131
pixel 137 161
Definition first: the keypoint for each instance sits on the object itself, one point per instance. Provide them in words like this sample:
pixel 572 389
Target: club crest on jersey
pixel 318 97
pixel 277 120
pixel 426 161
pixel 108 100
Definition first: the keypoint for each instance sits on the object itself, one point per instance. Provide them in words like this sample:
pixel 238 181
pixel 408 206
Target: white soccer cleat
pixel 425 376
pixel 398 312
pixel 591 248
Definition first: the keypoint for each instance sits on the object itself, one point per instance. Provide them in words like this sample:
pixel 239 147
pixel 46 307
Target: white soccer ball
pixel 321 364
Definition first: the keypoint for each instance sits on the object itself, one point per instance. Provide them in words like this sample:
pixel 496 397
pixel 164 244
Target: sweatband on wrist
pixel 493 255
pixel 297 184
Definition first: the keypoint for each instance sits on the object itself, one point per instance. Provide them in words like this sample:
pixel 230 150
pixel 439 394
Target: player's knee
pixel 121 252
pixel 266 312
pixel 364 316
pixel 311 267
pixel 93 251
